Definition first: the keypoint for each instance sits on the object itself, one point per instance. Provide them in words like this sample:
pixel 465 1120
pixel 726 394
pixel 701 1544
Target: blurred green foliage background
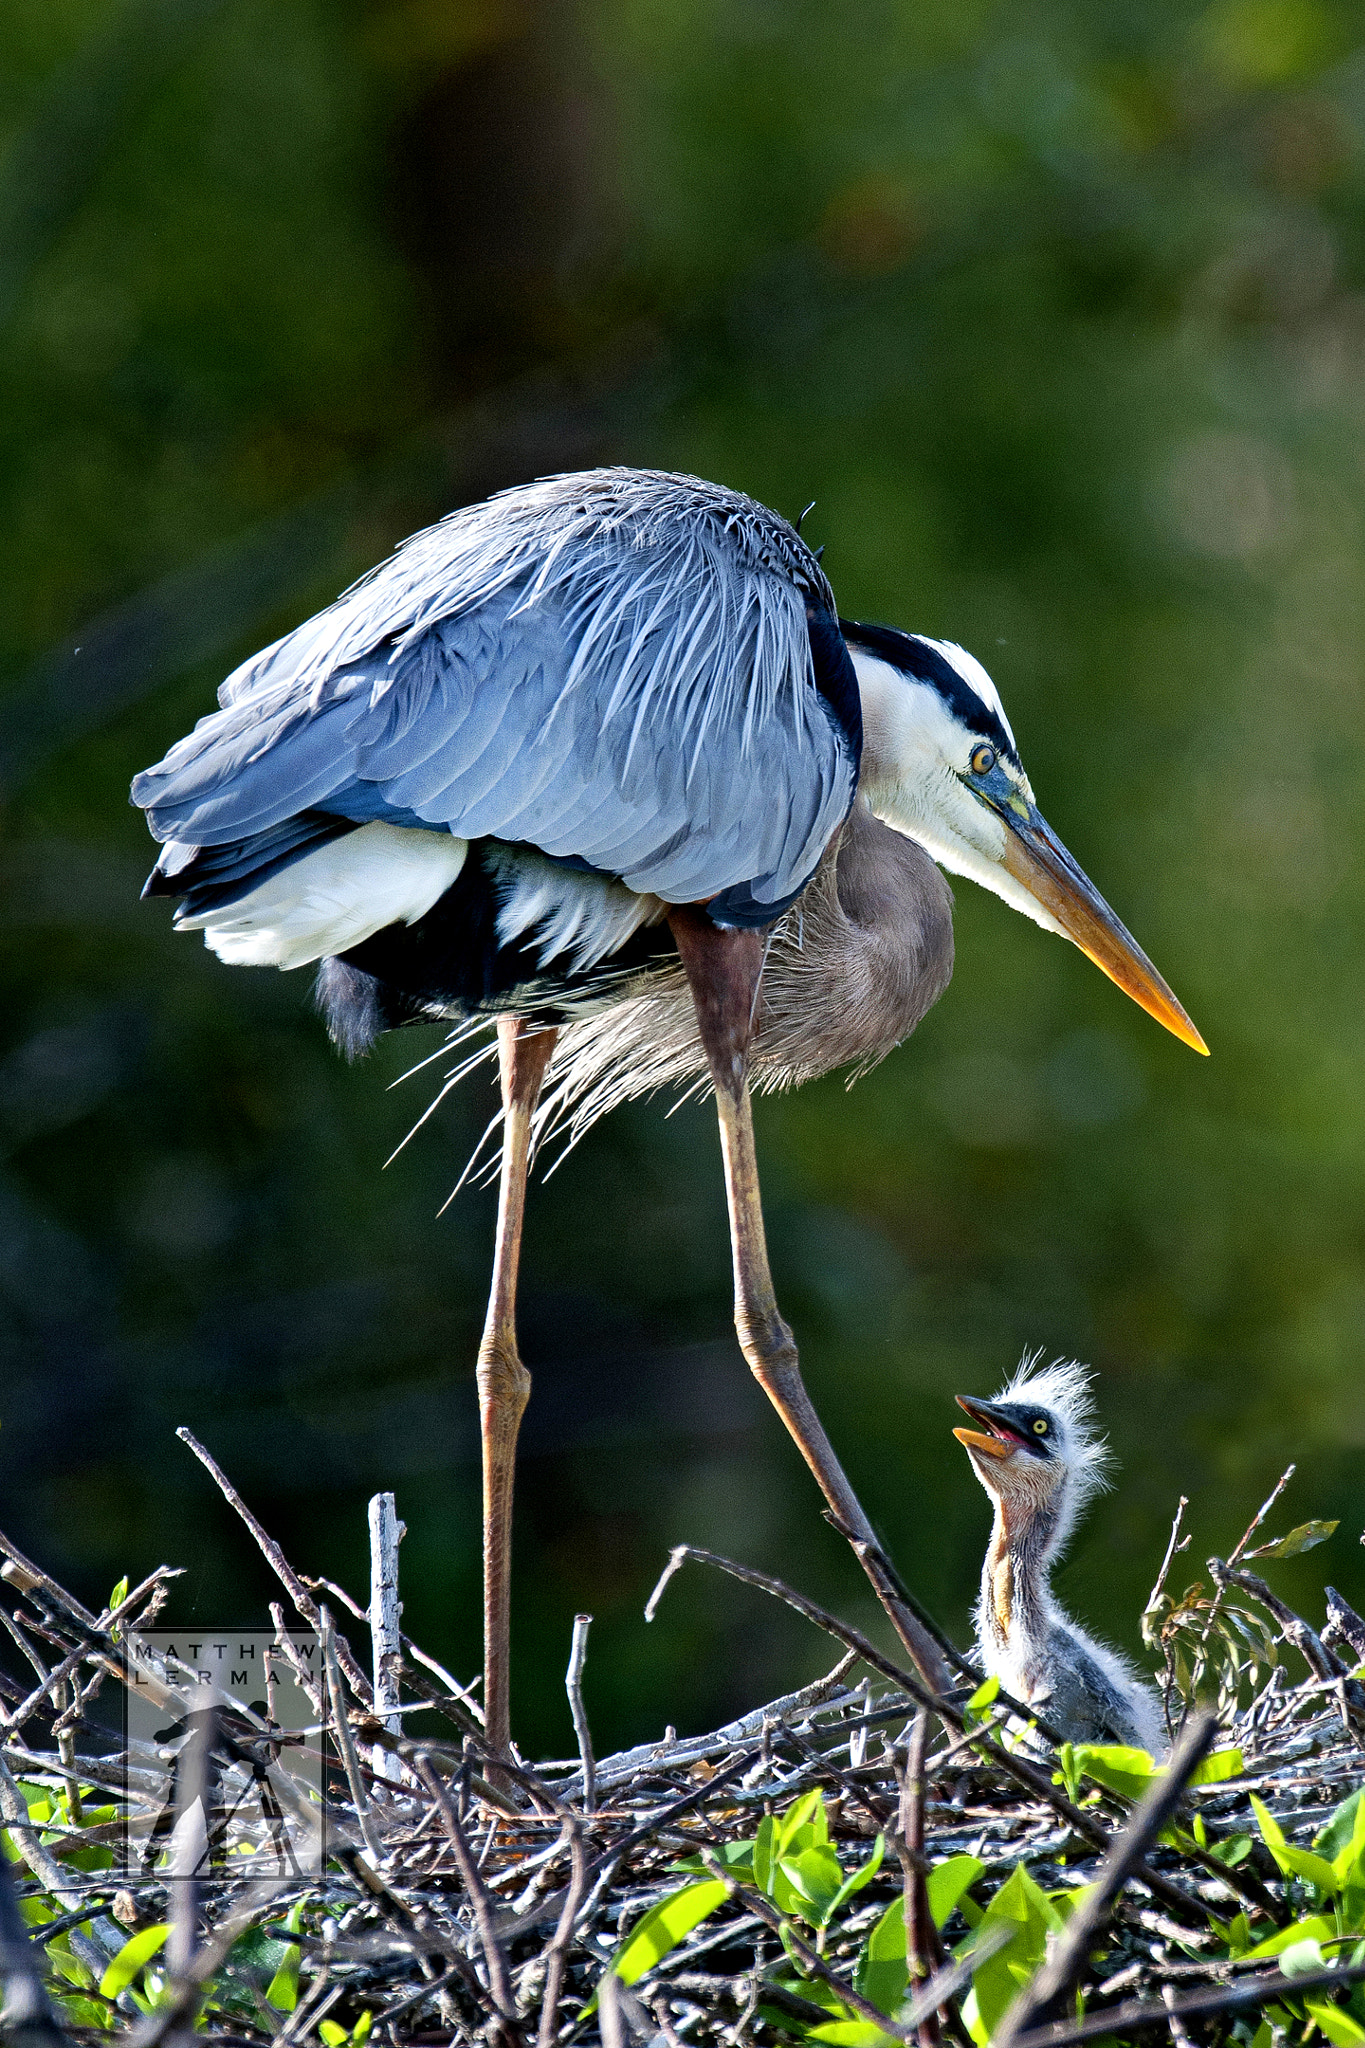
pixel 1056 309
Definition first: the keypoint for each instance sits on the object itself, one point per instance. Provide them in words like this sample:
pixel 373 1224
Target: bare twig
pixel 346 1742
pixel 923 1954
pixel 310 1686
pixel 558 1949
pixel 28 2020
pixel 14 1813
pixel 192 1836
pixel 1173 1546
pixel 495 1961
pixel 1249 1993
pixel 280 1565
pixel 385 1608
pixel 1344 1622
pixel 613 2025
pixel 573 1685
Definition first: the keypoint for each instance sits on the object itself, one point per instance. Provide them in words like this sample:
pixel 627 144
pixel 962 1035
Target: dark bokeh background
pixel 1056 310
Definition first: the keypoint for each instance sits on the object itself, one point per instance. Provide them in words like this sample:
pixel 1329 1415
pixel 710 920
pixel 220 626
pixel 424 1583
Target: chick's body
pixel 1040 1462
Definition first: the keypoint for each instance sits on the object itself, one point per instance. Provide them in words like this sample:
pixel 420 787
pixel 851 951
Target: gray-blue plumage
pixel 606 666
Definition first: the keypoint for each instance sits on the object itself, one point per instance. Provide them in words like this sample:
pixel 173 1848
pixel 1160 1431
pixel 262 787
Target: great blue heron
pixel 583 759
pixel 1040 1461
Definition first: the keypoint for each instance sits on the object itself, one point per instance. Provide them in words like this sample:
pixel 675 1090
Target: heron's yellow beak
pixel 1038 861
pixel 1002 1443
pixel 990 1445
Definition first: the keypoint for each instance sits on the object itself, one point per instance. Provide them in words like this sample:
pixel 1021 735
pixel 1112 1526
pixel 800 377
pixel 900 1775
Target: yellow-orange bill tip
pixel 1037 859
pixel 1151 994
pixel 975 1441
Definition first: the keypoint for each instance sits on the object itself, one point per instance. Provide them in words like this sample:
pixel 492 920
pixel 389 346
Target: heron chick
pixel 1039 1459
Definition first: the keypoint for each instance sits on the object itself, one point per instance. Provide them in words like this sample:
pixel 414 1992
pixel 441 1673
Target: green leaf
pixel 137 1950
pixel 1316 1928
pixel 283 1989
pixel 662 1928
pixel 360 2032
pixel 1300 1957
pixel 1069 1773
pixel 808 1811
pixel 857 2034
pixel 1315 1870
pixel 1272 1834
pixel 1307 1536
pixel 946 1883
pixel 985 1696
pixel 816 1878
pixel 1018 1903
pixel 119 1594
pixel 83 2012
pixel 736 1856
pixel 1115 1765
pixel 763 1855
pixel 1218 1767
pixel 332 2034
pixel 1343 1838
pixel 1339 2027
pixel 864 1874
pixel 882 1974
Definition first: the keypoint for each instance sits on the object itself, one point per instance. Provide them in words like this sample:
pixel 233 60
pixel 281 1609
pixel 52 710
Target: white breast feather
pixel 586 917
pixel 334 898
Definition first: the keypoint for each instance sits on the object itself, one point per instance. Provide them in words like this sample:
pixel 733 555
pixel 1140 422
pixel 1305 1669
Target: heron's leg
pixel 724 969
pixel 504 1384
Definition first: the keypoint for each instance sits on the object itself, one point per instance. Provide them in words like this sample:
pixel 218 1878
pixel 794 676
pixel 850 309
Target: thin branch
pixel 280 1565
pixel 346 1743
pixel 28 2020
pixel 191 1848
pixel 923 1953
pixel 386 1532
pixel 495 1961
pixel 1248 1994
pixel 573 1685
pixel 557 1953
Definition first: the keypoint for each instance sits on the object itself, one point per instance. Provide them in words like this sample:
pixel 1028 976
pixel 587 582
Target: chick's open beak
pixel 1036 858
pixel 990 1446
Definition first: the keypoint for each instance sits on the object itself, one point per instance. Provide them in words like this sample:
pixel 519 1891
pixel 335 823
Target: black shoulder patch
pixel 835 678
pixel 914 657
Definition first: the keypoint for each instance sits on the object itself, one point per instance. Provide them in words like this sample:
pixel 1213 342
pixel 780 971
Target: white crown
pixel 1063 1388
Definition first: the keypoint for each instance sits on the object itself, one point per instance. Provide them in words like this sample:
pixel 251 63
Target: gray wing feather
pixel 614 667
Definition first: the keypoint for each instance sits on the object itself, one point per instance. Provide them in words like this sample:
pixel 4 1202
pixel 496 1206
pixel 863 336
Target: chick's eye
pixel 1040 1427
pixel 983 759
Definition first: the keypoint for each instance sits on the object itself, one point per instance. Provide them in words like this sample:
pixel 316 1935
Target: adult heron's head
pixel 940 765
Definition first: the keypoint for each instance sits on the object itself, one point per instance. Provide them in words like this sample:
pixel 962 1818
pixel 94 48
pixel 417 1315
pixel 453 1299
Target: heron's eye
pixel 983 759
pixel 1040 1427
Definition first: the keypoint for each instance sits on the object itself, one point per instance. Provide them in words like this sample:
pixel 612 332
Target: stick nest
pixel 851 1864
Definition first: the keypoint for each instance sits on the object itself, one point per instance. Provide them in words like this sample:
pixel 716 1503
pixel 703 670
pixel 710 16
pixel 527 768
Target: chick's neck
pixel 1014 1578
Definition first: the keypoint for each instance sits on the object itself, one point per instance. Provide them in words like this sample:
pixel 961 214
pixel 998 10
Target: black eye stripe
pixel 910 654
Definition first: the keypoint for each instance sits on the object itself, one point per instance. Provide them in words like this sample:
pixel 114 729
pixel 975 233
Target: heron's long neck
pixel 1014 1578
